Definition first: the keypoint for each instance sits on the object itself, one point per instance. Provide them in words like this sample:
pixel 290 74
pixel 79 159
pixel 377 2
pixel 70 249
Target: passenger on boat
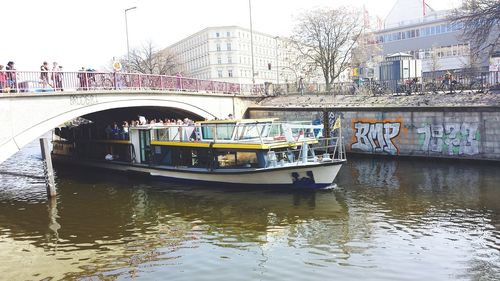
pixel 142 120
pixel 125 130
pixel 108 131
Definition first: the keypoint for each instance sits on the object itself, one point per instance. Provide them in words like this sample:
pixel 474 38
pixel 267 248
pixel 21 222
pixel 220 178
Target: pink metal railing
pixel 36 81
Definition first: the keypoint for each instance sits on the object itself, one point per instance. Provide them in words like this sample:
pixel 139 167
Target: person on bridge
pixel 56 77
pixel 82 76
pixel 301 86
pixel 179 81
pixel 11 76
pixel 44 74
pixel 3 79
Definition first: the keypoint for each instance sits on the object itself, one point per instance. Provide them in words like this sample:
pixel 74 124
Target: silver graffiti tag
pixel 82 99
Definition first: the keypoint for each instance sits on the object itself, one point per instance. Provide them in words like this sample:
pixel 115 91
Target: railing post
pixel 47 167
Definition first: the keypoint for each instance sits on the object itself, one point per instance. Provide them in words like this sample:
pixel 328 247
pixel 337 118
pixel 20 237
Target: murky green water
pixel 385 220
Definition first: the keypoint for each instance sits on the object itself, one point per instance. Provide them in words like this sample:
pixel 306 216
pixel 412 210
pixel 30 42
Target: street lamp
pixel 277 66
pixel 251 41
pixel 126 32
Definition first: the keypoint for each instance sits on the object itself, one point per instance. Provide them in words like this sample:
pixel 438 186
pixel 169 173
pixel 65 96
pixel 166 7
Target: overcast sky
pixel 90 33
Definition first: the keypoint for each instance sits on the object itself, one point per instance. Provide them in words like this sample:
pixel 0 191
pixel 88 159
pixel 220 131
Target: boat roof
pixel 234 121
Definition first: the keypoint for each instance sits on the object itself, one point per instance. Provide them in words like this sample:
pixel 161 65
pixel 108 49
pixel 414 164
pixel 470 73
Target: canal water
pixel 385 219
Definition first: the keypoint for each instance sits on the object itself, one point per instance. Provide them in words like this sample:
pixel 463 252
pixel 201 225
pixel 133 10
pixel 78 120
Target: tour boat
pixel 247 152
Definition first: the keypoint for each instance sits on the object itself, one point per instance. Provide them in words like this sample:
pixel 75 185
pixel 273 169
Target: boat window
pixel 275 130
pixel 244 158
pixel 251 131
pixel 226 160
pixel 207 132
pixel 232 159
pixel 181 156
pixel 225 131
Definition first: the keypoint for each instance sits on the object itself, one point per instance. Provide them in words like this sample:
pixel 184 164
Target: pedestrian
pixel 59 80
pixel 44 74
pixel 82 77
pixel 179 81
pixel 3 79
pixel 11 76
pixel 301 86
pixel 448 80
pixel 54 75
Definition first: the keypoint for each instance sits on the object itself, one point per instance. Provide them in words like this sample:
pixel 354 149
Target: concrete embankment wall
pixel 443 132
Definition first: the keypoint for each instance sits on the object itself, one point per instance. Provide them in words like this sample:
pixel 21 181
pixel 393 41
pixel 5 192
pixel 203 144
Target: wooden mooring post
pixel 47 168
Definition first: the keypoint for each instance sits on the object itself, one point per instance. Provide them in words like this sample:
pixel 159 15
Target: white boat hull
pixel 314 175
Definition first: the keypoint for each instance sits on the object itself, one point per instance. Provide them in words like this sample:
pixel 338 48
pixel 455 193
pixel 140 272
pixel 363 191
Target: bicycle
pixel 99 81
pixel 409 86
pixel 379 89
pixel 451 87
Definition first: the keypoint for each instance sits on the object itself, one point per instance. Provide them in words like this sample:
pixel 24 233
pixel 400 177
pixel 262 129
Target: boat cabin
pixel 206 145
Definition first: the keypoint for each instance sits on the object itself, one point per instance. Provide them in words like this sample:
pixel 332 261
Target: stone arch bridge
pixel 27 116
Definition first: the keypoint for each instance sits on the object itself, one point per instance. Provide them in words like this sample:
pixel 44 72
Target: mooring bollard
pixel 47 168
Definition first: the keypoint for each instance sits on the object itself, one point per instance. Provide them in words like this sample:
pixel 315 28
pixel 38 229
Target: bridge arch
pixel 29 120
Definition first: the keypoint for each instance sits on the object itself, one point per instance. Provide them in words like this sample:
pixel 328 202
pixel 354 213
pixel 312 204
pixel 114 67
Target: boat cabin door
pixel 144 145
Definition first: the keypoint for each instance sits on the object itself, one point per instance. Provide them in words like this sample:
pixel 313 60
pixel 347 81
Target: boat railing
pixel 326 150
pixel 251 133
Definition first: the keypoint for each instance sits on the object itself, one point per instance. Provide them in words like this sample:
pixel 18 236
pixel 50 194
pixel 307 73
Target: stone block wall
pixel 470 133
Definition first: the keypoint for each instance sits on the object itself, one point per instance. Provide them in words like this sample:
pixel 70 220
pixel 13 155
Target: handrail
pixel 254 134
pixel 52 81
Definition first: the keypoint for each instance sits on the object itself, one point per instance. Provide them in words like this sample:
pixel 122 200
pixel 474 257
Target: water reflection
pixel 387 219
pixel 448 209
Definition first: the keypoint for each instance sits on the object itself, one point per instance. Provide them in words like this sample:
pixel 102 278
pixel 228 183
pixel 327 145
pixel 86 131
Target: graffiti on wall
pixel 450 138
pixel 376 137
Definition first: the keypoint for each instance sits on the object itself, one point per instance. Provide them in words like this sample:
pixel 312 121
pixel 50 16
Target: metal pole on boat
pixel 305 150
pixel 47 168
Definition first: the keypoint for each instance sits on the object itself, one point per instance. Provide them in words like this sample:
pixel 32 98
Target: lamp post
pixel 251 41
pixel 277 66
pixel 126 32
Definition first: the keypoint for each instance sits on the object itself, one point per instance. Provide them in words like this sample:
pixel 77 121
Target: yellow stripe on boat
pixel 181 143
pixel 232 145
pixel 108 141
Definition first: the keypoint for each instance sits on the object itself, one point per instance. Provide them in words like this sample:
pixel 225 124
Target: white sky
pixel 90 33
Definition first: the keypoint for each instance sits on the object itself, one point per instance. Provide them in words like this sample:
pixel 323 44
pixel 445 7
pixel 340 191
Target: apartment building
pixel 224 53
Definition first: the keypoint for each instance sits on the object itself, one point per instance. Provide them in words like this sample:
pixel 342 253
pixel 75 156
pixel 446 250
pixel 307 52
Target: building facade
pixel 224 53
pixel 415 28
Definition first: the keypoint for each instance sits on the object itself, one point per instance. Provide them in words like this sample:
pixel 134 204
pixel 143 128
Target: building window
pixel 229 46
pixel 219 60
pixel 230 73
pixel 218 47
pixel 228 34
pixel 219 73
pixel 217 34
pixel 229 60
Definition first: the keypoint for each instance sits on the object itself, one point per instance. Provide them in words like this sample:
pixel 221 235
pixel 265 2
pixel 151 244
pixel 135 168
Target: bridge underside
pixel 149 112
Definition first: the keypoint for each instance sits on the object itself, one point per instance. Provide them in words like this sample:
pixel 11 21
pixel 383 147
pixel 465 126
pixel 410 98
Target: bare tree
pixel 326 37
pixel 147 59
pixel 296 63
pixel 481 20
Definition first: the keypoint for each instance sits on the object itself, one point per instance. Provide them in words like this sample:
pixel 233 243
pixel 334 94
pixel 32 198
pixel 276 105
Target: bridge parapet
pixel 53 81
